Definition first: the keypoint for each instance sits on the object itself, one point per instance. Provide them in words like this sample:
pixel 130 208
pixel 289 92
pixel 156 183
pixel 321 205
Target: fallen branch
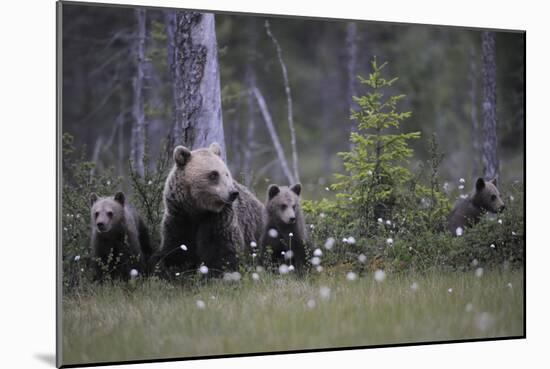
pixel 288 100
pixel 274 137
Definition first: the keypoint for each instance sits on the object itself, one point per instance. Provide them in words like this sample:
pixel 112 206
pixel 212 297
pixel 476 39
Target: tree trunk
pixel 476 134
pixel 196 78
pixel 490 142
pixel 250 80
pixel 139 128
pixel 351 51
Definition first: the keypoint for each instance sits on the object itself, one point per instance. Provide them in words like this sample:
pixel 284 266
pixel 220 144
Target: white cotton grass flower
pixel 283 269
pixel 450 290
pixel 511 198
pixel 484 321
pixel 379 275
pixel 315 261
pixel 475 263
pixel 254 255
pixel 77 258
pixel 289 254
pixel 322 215
pixel 479 272
pixel 362 258
pixel 469 307
pixel 318 252
pixel 459 231
pixel 492 246
pixel 389 241
pixel 461 180
pixel 312 227
pixel 311 304
pixel 273 233
pixel 327 189
pixel 446 186
pixel 108 183
pixel 380 220
pixel 133 273
pixel 65 229
pixel 388 222
pixel 319 268
pixel 324 292
pixel 203 269
pixel 259 268
pixel 150 182
pixel 291 268
pixel 329 243
pixel 253 244
pixel 177 274
pixel 499 221
pixel 351 240
pixel 414 286
pixel 291 234
pixel 351 276
pixel 461 187
pixel 369 172
pixel 201 305
pixel 464 196
pixel 514 233
pixel 232 277
pixel 255 276
pixel 183 247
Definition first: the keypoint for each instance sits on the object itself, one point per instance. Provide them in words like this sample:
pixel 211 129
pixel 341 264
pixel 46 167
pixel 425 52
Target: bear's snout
pixel 502 208
pixel 292 220
pixel 101 226
pixel 233 195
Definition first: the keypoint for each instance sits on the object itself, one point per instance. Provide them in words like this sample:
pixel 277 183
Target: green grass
pixel 152 319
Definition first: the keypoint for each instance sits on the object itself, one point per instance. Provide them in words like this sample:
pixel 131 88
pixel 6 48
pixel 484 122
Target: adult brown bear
pixel 208 217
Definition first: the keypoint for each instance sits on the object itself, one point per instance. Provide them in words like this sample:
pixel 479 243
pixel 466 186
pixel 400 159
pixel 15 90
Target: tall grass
pixel 149 319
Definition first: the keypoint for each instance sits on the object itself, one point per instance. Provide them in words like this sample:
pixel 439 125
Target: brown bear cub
pixel 208 217
pixel 285 231
pixel 120 239
pixel 467 212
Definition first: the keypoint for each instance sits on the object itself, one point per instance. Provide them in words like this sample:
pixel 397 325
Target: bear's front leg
pixel 217 244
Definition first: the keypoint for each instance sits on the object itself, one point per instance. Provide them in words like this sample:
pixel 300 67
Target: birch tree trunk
pixel 490 142
pixel 139 128
pixel 196 79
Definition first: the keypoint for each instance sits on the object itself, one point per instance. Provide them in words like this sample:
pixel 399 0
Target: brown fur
pixel 467 212
pixel 117 233
pixel 284 214
pixel 207 211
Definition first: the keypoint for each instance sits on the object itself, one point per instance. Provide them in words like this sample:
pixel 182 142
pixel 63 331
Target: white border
pixel 27 149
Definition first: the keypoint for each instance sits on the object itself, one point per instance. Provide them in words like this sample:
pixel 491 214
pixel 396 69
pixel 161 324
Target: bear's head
pixel 283 203
pixel 203 178
pixel 107 212
pixel 487 196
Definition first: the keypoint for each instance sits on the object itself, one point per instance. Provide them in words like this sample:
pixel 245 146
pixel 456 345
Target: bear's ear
pixel 120 198
pixel 215 148
pixel 480 184
pixel 181 155
pixel 272 191
pixel 297 188
pixel 93 198
pixel 494 181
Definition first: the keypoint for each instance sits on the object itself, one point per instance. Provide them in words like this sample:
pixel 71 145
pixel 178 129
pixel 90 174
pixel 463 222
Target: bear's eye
pixel 283 207
pixel 213 175
pixel 493 197
pixel 294 207
pixel 110 214
pixel 96 214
